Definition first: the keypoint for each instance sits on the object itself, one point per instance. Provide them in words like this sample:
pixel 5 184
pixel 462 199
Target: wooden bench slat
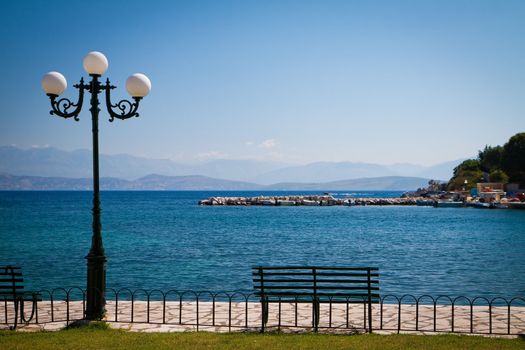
pixel 331 274
pixel 314 267
pixel 356 300
pixel 10 274
pixel 318 287
pixel 347 274
pixel 323 300
pixel 309 294
pixel 27 298
pixel 11 280
pixel 312 280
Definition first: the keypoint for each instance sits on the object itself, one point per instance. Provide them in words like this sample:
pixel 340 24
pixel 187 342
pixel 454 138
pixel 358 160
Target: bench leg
pixel 369 316
pixel 316 315
pixel 264 314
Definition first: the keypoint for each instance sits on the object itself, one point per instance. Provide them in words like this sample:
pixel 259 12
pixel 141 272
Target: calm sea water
pixel 164 240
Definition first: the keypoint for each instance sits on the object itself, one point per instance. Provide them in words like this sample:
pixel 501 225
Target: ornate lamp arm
pixel 126 109
pixel 60 107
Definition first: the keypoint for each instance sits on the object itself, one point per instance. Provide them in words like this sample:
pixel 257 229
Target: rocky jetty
pixel 307 200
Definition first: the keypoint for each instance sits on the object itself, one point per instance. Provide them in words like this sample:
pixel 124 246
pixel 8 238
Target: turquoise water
pixel 164 240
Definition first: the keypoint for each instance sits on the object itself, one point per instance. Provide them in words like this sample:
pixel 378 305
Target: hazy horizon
pixel 196 161
pixel 53 162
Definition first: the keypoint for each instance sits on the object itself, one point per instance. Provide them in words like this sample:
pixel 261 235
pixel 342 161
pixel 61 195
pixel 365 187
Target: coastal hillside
pixel 504 164
pixel 190 183
pixel 150 182
pixel 201 183
pixel 10 182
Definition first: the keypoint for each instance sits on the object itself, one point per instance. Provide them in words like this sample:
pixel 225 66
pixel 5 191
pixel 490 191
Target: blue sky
pixel 292 81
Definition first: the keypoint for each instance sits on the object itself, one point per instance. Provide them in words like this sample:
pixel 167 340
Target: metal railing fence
pixel 242 311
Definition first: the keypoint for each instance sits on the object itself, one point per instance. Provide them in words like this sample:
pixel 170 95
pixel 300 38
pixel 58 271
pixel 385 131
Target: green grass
pixel 96 337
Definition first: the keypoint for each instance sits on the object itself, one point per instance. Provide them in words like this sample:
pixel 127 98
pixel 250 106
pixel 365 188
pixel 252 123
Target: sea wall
pixel 307 200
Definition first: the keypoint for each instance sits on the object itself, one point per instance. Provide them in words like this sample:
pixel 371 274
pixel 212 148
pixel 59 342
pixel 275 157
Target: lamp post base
pixel 96 287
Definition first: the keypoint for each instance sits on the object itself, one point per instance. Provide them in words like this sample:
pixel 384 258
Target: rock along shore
pixel 309 200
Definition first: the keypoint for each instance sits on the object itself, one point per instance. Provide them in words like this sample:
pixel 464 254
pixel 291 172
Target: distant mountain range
pixel 55 163
pixel 203 183
pixel 342 171
pixel 78 164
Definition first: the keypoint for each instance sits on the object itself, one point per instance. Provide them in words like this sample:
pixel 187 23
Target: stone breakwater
pixel 309 200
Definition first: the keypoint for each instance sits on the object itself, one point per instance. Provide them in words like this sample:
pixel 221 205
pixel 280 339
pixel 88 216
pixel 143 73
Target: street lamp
pixel 138 86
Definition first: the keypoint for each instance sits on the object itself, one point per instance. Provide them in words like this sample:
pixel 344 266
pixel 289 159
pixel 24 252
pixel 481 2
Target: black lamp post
pixel 138 86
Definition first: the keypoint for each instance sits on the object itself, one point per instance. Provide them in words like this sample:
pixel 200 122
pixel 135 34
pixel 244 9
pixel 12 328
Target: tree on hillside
pixel 503 164
pixel 469 170
pixel 434 185
pixel 499 175
pixel 513 162
pixel 490 158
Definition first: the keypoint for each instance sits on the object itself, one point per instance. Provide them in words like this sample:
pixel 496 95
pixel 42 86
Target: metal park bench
pixel 12 290
pixel 315 285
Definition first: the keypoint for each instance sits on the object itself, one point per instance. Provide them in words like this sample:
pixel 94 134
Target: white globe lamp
pixel 138 85
pixel 54 83
pixel 95 63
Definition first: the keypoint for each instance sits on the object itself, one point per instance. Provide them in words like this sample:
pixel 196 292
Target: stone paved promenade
pixel 242 316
